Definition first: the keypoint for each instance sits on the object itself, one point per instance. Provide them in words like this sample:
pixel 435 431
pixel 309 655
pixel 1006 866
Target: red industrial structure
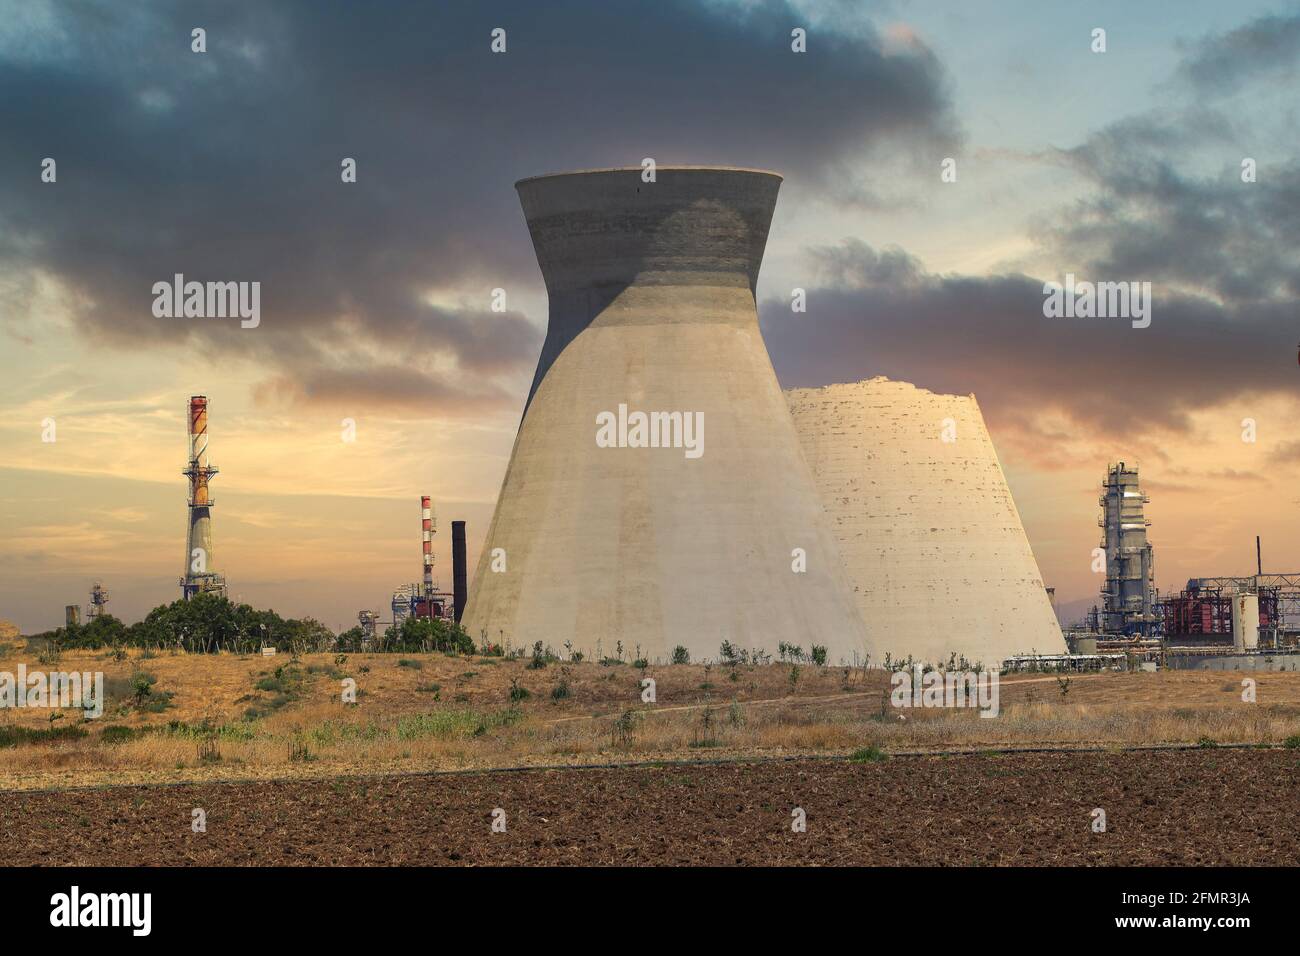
pixel 423 600
pixel 1205 613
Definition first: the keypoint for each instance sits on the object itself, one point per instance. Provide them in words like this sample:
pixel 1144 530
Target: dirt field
pixel 1194 807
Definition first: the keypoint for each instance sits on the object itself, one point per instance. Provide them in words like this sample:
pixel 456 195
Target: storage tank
pixel 1245 620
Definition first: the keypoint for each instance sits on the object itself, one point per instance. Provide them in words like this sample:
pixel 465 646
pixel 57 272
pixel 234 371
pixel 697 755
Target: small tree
pixel 624 729
pixel 539 657
pixel 681 655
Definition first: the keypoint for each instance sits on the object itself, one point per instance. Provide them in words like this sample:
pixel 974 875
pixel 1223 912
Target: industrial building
pixel 1129 594
pixel 1279 600
pixel 671 539
pixel 426 599
pixel 932 541
pixel 1206 614
pixel 200 575
pixel 1249 622
pixel 98 600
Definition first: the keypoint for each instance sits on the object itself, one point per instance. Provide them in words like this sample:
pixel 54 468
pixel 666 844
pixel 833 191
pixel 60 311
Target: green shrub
pixel 681 655
pixel 117 734
pixel 328 670
pixel 142 686
pixel 453 723
pixel 872 754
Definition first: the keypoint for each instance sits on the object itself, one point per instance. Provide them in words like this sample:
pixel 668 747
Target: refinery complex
pixel 871 520
pixel 1249 622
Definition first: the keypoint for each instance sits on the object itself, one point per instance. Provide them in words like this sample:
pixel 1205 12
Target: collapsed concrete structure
pixel 932 541
pixel 656 495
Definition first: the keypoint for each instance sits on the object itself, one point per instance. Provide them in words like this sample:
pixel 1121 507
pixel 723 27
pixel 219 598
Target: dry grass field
pixel 227 717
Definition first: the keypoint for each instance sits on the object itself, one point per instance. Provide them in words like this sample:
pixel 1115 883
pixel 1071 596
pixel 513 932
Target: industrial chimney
pixel 656 494
pixel 459 587
pixel 426 529
pixel 199 576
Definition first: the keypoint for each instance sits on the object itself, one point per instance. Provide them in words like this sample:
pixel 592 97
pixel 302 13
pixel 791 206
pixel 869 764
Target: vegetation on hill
pixel 415 634
pixel 204 624
pixel 207 623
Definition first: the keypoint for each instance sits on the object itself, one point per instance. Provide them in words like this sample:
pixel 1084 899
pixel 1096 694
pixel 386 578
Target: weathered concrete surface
pixel 931 538
pixel 652 306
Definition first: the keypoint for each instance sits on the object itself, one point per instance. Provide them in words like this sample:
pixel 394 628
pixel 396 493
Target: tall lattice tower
pixel 200 578
pixel 1129 594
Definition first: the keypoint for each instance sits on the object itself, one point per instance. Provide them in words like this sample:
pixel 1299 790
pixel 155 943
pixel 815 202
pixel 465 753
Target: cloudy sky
pixel 1117 166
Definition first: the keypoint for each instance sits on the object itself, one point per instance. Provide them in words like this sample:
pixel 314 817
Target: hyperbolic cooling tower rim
pixel 671 167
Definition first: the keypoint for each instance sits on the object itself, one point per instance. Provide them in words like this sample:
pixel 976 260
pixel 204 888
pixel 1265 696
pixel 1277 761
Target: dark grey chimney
pixel 460 586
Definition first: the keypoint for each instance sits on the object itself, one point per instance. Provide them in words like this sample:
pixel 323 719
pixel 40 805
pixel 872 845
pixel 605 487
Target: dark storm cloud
pixel 225 165
pixel 1222 255
pixel 1221 63
pixel 883 314
pixel 1236 241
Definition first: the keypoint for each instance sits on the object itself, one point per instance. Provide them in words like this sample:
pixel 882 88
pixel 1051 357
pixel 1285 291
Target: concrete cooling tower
pixel 656 494
pixel 931 538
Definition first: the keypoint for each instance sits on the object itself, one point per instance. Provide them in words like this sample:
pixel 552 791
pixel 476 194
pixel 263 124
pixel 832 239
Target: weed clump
pixel 871 754
pixel 517 691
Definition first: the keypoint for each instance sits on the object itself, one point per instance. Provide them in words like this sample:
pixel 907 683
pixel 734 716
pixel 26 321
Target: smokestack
pixel 1259 560
pixel 426 526
pixel 460 584
pixel 199 574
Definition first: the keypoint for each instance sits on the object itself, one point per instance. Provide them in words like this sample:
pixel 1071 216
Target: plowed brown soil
pixel 1196 807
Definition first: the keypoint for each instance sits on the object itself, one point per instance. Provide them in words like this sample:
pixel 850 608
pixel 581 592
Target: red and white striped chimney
pixel 426 526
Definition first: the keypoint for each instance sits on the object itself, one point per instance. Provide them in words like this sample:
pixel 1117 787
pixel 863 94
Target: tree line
pixel 208 623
